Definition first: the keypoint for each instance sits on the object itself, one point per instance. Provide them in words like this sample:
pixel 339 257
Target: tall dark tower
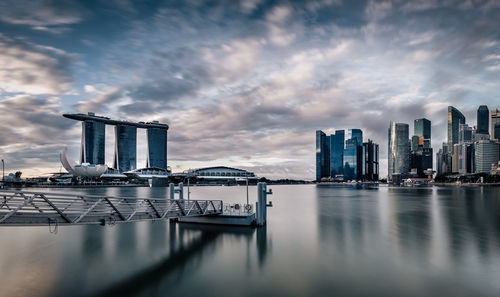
pixel 125 148
pixel 455 118
pixel 93 142
pixel 157 147
pixel 483 118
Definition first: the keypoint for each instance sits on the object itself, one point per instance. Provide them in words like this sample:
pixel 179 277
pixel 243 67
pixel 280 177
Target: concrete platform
pixel 233 219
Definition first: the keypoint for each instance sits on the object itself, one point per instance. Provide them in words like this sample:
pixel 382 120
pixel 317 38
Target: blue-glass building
pixel 125 148
pixel 351 157
pixel 422 127
pixel 322 155
pixel 93 142
pixel 157 148
pixel 337 153
pixel 483 118
pixel 356 134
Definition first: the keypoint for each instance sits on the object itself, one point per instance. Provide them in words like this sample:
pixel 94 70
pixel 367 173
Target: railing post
pixel 181 191
pixel 172 191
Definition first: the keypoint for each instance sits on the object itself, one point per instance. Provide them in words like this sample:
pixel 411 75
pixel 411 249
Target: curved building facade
pixel 221 172
pixel 398 149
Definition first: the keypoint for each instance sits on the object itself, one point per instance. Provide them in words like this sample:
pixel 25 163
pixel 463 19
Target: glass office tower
pixel 322 155
pixel 483 118
pixel 422 127
pixel 157 148
pixel 93 142
pixel 337 153
pixel 494 118
pixel 370 161
pixel 455 118
pixel 351 160
pixel 398 157
pixel 356 134
pixel 125 148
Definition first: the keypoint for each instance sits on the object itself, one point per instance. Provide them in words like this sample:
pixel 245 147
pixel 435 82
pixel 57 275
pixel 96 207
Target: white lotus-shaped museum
pixel 84 169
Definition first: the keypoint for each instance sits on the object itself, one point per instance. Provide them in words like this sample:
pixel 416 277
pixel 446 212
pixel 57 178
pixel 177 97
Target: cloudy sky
pixel 242 84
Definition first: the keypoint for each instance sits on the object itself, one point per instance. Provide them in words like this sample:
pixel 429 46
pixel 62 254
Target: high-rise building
pixel 483 117
pixel 465 133
pixel 125 148
pixel 93 142
pixel 352 155
pixel 495 118
pixel 322 155
pixel 496 132
pixel 455 117
pixel 415 139
pixel 486 153
pixel 421 160
pixel 442 159
pixel 463 155
pixel 157 147
pixel 398 149
pixel 337 153
pixel 356 134
pixel 125 158
pixel 370 161
pixel 422 127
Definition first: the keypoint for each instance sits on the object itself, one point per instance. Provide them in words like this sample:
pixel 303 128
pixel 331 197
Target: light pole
pixel 3 171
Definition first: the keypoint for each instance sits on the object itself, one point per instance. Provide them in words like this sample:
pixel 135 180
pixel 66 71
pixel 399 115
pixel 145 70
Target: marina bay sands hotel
pixel 125 157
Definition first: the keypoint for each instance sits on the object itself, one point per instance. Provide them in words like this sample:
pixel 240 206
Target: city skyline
pixel 241 84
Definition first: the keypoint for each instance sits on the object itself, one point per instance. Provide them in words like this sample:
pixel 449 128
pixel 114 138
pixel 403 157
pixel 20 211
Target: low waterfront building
pixel 221 174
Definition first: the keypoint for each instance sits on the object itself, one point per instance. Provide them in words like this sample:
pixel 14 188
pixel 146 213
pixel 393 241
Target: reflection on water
pixel 432 241
pixel 319 240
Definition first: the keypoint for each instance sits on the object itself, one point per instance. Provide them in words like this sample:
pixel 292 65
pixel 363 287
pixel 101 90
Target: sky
pixel 240 83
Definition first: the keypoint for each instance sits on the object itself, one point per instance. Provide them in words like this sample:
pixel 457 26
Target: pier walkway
pixel 21 208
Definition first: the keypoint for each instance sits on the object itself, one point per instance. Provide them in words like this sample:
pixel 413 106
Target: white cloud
pixel 34 69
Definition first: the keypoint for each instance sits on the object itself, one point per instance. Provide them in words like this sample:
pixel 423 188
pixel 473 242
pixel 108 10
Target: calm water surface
pixel 319 241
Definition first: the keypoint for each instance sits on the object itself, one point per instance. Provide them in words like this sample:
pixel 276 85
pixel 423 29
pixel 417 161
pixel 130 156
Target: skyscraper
pixel 455 117
pixel 322 155
pixel 157 147
pixel 356 134
pixel 442 159
pixel 495 118
pixel 370 161
pixel 465 139
pixel 93 142
pixel 483 117
pixel 337 153
pixel 422 127
pixel 496 132
pixel 486 153
pixel 351 159
pixel 125 148
pixel 398 150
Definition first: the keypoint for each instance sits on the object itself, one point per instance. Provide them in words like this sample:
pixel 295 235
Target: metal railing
pixel 37 208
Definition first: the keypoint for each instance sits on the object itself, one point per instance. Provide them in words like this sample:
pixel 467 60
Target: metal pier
pixel 20 208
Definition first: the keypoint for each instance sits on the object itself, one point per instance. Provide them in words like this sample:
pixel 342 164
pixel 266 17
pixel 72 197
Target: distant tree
pixel 18 174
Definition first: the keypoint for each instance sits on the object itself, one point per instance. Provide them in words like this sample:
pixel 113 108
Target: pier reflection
pixel 190 245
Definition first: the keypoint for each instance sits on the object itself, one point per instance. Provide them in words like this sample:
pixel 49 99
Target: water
pixel 319 240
